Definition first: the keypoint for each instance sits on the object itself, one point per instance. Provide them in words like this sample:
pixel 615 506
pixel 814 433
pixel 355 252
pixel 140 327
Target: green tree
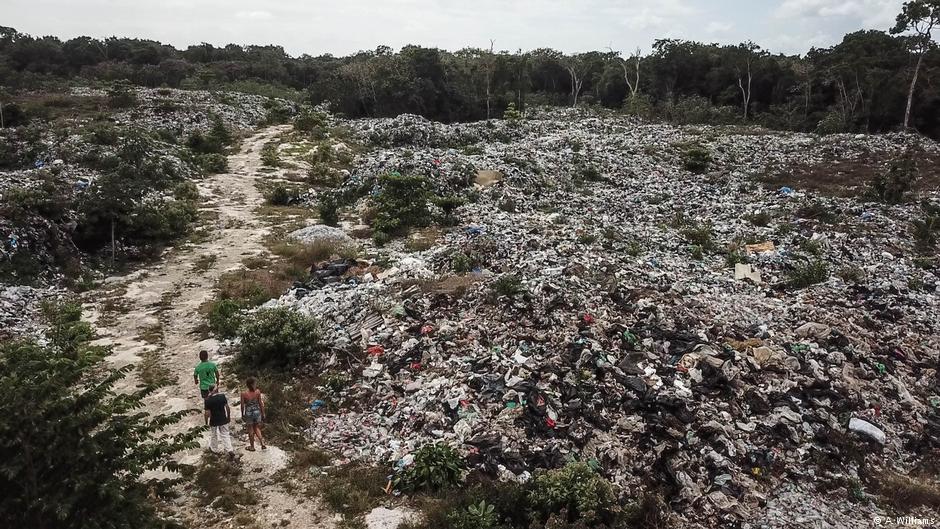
pixel 918 17
pixel 72 449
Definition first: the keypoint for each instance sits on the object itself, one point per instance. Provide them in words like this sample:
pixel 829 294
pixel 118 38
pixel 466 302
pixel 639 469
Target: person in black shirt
pixel 218 415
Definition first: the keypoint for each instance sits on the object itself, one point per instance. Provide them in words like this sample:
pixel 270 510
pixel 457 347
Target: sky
pixel 339 27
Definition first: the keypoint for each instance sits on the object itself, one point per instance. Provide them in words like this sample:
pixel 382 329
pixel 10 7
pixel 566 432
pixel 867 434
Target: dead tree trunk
pixel 489 77
pixel 910 92
pixel 576 83
pixel 746 92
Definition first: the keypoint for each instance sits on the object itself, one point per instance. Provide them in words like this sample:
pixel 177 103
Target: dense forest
pixel 859 85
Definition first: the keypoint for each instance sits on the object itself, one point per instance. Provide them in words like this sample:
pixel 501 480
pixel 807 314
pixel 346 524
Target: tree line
pixel 872 81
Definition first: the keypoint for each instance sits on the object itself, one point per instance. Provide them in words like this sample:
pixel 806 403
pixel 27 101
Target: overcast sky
pixel 342 26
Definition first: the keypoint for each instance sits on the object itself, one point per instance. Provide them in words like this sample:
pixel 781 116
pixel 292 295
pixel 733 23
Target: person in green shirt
pixel 206 374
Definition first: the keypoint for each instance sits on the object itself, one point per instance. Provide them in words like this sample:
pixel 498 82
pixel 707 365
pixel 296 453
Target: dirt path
pixel 159 319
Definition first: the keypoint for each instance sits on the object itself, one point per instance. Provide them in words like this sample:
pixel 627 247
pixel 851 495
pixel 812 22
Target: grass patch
pixel 218 480
pixel 807 274
pixel 204 262
pixel 353 489
pixel 905 493
pixel 151 370
pixel 152 334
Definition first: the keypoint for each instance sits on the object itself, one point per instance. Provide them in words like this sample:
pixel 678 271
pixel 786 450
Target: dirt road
pixel 159 318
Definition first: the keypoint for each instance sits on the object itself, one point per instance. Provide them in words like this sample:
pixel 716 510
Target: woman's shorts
pixel 253 417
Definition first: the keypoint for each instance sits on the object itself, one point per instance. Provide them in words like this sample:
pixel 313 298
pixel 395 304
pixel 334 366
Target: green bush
pixel 436 466
pixel 75 448
pixel 328 208
pixel 698 235
pixel 449 205
pixel 279 338
pixel 270 157
pixel 225 317
pixel 511 114
pixel 156 222
pixel 122 95
pixel 508 285
pixel 281 195
pixel 401 203
pixel 309 121
pixel 806 274
pixel 212 163
pixel 893 186
pixel 696 160
pixel 576 489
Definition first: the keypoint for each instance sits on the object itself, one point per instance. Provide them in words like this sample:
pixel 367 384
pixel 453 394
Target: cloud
pixel 714 27
pixel 870 13
pixel 254 15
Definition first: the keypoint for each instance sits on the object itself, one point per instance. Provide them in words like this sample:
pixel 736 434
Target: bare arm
pixel 261 403
pixel 205 415
pixel 228 412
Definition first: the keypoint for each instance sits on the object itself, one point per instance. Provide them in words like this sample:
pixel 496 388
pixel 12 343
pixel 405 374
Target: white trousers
pixel 220 435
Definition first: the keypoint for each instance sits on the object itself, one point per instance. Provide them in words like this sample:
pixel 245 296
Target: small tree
pixel 919 17
pixel 72 449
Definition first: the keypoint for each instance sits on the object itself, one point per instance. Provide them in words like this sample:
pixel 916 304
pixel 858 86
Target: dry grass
pixel 354 489
pixel 151 370
pixel 850 177
pixel 152 334
pixel 204 262
pixel 308 254
pixel 905 493
pixel 423 239
pixel 254 287
pixel 218 479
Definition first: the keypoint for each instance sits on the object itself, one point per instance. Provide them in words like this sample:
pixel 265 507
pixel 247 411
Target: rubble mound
pixel 595 314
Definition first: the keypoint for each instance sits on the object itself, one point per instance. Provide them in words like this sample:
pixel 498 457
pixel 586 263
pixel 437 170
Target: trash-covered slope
pixel 705 335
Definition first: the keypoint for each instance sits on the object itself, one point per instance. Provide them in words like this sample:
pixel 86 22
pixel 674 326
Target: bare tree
pixel 631 70
pixel 919 17
pixel 745 77
pixel 489 64
pixel 577 69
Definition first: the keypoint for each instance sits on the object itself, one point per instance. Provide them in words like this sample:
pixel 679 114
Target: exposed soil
pixel 159 323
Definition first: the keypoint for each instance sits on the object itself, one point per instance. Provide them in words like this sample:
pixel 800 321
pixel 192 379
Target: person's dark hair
pixel 212 388
pixel 250 382
pixel 204 355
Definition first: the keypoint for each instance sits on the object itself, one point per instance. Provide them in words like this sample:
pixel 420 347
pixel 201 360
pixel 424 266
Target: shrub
pixel 696 160
pixel 511 114
pixel 807 274
pixel 576 489
pixel 103 134
pixel 75 448
pixel 480 515
pixel 893 186
pixel 212 163
pixel 281 195
pixel 122 95
pixel 401 203
pixel 761 219
pixel 436 466
pixel 309 121
pixel 449 205
pixel 462 263
pixel 698 235
pixel 925 230
pixel 328 209
pixel 225 317
pixel 279 338
pixel 270 157
pixel 508 285
pixel 155 222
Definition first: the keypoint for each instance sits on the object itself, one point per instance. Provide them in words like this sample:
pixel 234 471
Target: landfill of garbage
pixel 701 333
